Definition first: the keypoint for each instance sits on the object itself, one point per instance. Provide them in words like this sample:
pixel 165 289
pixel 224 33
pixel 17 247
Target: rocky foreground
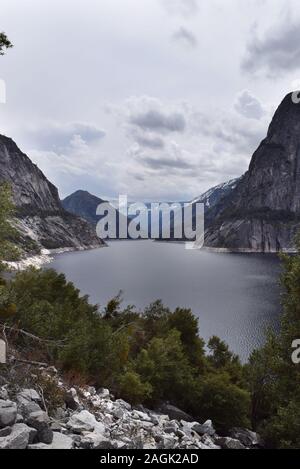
pixel 90 419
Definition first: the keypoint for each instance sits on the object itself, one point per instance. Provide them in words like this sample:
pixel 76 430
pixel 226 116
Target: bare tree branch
pixel 58 343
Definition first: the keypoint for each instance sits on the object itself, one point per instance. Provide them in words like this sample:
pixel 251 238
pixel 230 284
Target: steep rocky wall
pixel 41 215
pixel 263 212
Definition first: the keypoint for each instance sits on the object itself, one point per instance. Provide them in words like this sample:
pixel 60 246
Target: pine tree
pixel 4 43
pixel 7 249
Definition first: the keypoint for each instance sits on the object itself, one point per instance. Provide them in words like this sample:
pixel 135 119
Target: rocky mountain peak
pixel 263 212
pixel 41 216
pixel 31 189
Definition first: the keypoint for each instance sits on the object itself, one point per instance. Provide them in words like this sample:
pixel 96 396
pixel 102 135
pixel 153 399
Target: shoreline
pixel 45 257
pixel 227 250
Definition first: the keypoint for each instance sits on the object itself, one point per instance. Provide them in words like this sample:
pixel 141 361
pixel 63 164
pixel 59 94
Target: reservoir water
pixel 235 296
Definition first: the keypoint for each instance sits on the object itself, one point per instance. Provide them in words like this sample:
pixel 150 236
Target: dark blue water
pixel 235 296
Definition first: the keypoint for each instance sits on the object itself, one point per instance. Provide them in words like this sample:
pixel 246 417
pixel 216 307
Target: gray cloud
pixel 164 162
pixel 159 121
pixel 185 37
pixel 248 106
pixel 125 55
pixel 181 7
pixel 276 52
pixel 230 133
pixel 237 137
pixel 58 137
pixel 150 141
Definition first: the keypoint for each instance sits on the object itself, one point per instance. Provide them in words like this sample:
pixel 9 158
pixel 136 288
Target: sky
pixel 155 99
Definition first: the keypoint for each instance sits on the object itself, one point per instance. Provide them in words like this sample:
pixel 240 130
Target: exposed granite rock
pixel 19 438
pixel 174 413
pixel 42 221
pixel 247 437
pixel 263 212
pixel 85 421
pixel 8 413
pixel 41 422
pixel 59 441
pixel 230 443
pixel 106 423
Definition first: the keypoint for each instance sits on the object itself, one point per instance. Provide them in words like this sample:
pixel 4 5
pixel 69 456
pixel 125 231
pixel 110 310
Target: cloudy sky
pixel 157 99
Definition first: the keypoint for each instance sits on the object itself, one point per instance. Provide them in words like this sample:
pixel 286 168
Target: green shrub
pixel 133 389
pixel 224 403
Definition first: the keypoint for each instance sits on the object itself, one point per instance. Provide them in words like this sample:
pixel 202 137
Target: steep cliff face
pixel 263 212
pixel 31 189
pixel 41 217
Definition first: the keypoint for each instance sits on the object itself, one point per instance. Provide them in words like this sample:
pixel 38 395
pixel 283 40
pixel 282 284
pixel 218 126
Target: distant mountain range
pixel 259 212
pixel 41 219
pixel 84 204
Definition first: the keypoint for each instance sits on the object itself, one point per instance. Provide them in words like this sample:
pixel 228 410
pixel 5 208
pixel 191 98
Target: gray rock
pixel 60 441
pixel 174 413
pixel 123 404
pixel 103 393
pixel 95 440
pixel 4 393
pixel 208 441
pixel 205 429
pixel 57 427
pixel 85 422
pixel 20 418
pixel 27 402
pixel 5 431
pixel 180 433
pixel 136 414
pixel 72 400
pixel 167 442
pixel 26 408
pixel 149 443
pixel 60 414
pixel 171 427
pixel 229 443
pixel 8 413
pixel 41 422
pixel 159 419
pixel 39 446
pixel 29 395
pixel 118 412
pixel 188 428
pixel 19 438
pixel 246 437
